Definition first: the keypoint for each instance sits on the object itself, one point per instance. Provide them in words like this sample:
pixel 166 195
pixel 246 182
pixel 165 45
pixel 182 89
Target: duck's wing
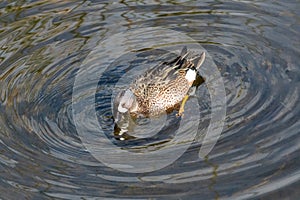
pixel 167 71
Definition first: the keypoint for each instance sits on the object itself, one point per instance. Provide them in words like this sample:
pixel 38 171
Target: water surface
pixel 254 44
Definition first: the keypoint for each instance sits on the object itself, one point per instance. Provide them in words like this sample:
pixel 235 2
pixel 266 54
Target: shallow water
pixel 254 45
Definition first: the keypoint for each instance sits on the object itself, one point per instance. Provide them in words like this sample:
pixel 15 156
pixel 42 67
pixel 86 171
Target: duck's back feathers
pixel 166 84
pixel 167 71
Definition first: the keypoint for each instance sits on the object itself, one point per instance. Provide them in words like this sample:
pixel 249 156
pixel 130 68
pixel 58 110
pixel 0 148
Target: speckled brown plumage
pixel 163 87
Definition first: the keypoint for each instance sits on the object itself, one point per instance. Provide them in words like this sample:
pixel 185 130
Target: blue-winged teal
pixel 162 88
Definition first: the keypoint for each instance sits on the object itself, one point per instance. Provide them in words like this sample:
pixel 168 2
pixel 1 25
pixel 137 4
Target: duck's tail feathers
pixel 198 61
pixel 184 53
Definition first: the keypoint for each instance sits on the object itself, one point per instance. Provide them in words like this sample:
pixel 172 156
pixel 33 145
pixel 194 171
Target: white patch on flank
pixel 190 75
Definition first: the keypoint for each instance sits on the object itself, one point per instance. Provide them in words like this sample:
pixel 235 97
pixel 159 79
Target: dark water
pixel 255 46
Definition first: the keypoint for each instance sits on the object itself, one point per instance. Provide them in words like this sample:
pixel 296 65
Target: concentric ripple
pixel 255 46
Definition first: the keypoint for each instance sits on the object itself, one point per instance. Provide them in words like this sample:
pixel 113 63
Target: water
pixel 255 46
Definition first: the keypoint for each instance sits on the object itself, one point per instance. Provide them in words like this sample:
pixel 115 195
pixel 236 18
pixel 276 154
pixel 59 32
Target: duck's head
pixel 125 102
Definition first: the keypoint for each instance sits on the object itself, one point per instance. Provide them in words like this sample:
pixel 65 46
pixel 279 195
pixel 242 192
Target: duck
pixel 163 88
